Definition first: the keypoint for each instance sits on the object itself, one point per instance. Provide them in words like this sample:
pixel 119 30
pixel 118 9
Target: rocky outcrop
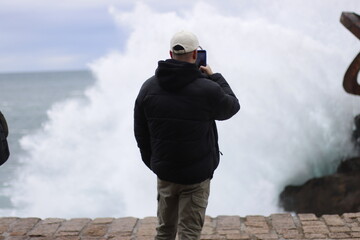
pixel 334 194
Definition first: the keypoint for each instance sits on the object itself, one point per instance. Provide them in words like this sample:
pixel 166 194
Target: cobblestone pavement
pixel 276 226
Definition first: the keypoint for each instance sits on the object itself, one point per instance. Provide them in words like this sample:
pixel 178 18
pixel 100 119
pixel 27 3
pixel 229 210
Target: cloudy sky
pixel 37 35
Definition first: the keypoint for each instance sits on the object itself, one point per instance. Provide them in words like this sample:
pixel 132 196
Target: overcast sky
pixel 37 35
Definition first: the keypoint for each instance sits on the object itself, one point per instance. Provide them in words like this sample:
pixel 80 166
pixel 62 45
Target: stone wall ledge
pixel 275 226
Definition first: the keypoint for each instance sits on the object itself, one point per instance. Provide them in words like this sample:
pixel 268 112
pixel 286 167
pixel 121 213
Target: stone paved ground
pixel 276 226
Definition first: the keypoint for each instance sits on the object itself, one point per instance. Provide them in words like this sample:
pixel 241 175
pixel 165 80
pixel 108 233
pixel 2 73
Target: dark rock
pixel 334 194
pixel 351 165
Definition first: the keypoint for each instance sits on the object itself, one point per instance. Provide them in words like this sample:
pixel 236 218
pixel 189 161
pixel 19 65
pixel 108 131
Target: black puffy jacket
pixel 174 121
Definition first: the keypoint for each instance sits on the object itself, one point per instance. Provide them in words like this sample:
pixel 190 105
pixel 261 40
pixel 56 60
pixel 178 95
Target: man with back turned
pixel 174 124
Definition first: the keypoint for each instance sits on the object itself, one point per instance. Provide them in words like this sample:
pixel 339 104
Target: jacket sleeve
pixel 4 124
pixel 226 103
pixel 141 130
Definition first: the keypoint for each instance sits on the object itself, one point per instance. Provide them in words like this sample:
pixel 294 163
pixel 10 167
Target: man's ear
pixel 194 55
pixel 171 54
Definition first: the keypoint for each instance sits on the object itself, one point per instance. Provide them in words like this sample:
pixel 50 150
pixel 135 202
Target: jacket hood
pixel 174 75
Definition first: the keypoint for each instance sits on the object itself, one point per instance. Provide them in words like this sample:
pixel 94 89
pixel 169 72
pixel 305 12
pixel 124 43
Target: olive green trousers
pixel 181 210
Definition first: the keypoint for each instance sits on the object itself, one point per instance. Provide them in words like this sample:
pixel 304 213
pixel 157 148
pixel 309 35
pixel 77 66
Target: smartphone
pixel 201 58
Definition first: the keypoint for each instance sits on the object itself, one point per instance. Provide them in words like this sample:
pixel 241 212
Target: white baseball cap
pixel 187 41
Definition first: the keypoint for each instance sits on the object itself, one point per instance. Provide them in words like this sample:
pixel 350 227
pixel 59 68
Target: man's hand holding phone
pixel 206 69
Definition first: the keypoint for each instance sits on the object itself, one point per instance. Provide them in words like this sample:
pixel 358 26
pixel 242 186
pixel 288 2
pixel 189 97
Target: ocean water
pixel 285 63
pixel 25 99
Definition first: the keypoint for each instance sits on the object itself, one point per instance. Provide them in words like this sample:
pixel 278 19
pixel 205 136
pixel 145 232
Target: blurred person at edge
pixel 175 129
